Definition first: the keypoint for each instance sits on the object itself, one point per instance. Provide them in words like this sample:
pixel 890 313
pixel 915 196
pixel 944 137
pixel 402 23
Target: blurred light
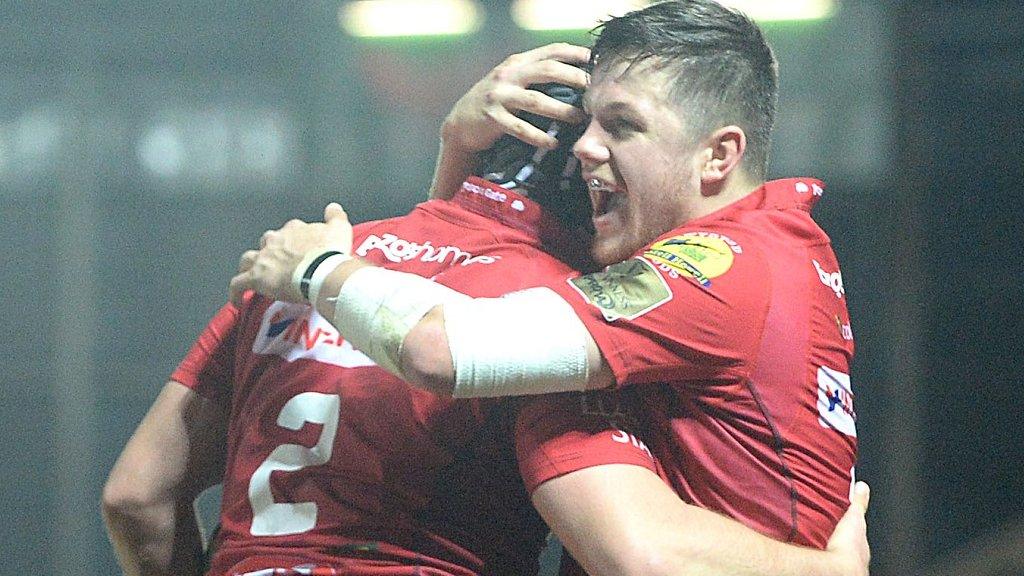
pixel 781 10
pixel 161 152
pixel 395 18
pixel 36 137
pixel 569 14
pixel 212 151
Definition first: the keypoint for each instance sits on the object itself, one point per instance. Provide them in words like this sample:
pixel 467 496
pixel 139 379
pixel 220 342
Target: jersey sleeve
pixel 688 307
pixel 208 366
pixel 561 433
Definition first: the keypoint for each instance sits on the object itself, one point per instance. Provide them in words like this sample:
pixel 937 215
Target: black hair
pixel 722 69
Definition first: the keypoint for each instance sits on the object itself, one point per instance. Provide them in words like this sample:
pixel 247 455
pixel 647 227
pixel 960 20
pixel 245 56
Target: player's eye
pixel 621 128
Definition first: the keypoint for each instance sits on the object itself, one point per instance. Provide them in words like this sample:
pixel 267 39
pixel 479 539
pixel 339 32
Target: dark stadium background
pixel 144 145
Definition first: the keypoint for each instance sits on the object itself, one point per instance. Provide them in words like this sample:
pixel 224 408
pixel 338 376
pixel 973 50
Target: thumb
pixel 334 212
pixel 861 495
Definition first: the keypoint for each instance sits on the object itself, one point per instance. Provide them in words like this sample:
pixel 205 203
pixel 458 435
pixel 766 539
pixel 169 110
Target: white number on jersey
pixel 282 518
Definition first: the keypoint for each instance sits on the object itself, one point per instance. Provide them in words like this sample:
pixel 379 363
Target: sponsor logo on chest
pixel 294 331
pixel 395 249
pixel 833 280
pixel 625 290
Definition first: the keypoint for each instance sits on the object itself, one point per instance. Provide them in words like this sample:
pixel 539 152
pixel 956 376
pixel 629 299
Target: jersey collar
pixel 519 212
pixel 802 193
pixel 784 194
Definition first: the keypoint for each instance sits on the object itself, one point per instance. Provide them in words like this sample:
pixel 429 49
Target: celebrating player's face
pixel 638 160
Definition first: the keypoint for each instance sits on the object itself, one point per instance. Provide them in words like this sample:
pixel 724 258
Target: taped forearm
pixel 376 308
pixel 529 342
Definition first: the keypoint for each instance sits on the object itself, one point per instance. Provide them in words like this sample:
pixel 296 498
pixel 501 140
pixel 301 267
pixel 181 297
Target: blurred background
pixel 145 145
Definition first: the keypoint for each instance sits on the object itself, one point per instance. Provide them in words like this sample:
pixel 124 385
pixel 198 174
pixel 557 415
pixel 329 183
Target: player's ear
pixel 723 151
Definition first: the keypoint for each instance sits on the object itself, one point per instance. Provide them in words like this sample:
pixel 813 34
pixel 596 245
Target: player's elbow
pixel 426 358
pixel 128 505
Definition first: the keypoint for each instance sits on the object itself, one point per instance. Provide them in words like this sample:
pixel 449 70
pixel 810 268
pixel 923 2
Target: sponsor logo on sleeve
pixel 835 401
pixel 698 255
pixel 620 416
pixel 623 437
pixel 625 290
pixel 294 331
pixel 833 280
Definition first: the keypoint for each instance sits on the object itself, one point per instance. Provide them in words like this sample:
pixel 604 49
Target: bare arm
pixel 175 453
pixel 623 520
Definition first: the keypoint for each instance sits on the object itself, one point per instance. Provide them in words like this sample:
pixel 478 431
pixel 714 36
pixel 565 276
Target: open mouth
pixel 600 196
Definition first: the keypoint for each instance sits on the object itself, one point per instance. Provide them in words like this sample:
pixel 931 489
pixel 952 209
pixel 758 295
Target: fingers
pixel 489 109
pixel 247 260
pixel 238 285
pixel 266 237
pixel 522 71
pixel 333 212
pixel 540 103
pixel 521 129
pixel 861 496
pixel 558 51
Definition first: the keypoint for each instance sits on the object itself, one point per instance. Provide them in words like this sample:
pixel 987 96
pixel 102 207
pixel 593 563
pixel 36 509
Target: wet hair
pixel 549 177
pixel 721 69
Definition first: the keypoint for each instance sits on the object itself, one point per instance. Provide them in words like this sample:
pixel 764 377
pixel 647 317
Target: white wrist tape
pixel 377 308
pixel 528 342
pixel 312 262
pixel 323 270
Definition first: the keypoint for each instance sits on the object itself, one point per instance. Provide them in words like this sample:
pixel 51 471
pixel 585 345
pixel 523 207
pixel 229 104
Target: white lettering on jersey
pixel 833 280
pixel 396 250
pixel 835 401
pixel 294 331
pixel 623 437
pixel 496 195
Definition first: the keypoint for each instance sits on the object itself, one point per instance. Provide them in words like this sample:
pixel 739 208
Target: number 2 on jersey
pixel 283 518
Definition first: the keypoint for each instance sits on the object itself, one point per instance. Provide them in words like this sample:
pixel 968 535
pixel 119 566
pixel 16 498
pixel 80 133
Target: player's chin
pixel 610 247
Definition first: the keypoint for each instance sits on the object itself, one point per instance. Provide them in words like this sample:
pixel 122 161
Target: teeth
pixel 596 185
pixel 600 195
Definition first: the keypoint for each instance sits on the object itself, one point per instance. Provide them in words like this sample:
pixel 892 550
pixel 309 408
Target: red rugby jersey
pixel 333 462
pixel 735 328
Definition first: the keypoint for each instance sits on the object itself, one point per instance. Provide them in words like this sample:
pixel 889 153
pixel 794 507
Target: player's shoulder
pixel 704 253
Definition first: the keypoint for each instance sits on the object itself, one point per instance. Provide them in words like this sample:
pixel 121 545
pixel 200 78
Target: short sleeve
pixel 208 366
pixel 688 307
pixel 561 433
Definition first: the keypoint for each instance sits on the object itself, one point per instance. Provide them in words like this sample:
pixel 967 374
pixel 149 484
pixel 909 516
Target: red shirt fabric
pixel 735 331
pixel 334 464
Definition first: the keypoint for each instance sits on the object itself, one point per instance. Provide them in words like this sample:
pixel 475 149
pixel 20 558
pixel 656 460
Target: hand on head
pixel 269 269
pixel 489 109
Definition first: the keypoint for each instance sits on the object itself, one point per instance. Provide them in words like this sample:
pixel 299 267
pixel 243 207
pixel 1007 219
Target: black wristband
pixel 308 274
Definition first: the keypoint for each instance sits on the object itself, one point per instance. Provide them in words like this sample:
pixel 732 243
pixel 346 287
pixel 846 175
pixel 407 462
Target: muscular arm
pixel 175 453
pixel 622 520
pixel 405 323
pixel 426 358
